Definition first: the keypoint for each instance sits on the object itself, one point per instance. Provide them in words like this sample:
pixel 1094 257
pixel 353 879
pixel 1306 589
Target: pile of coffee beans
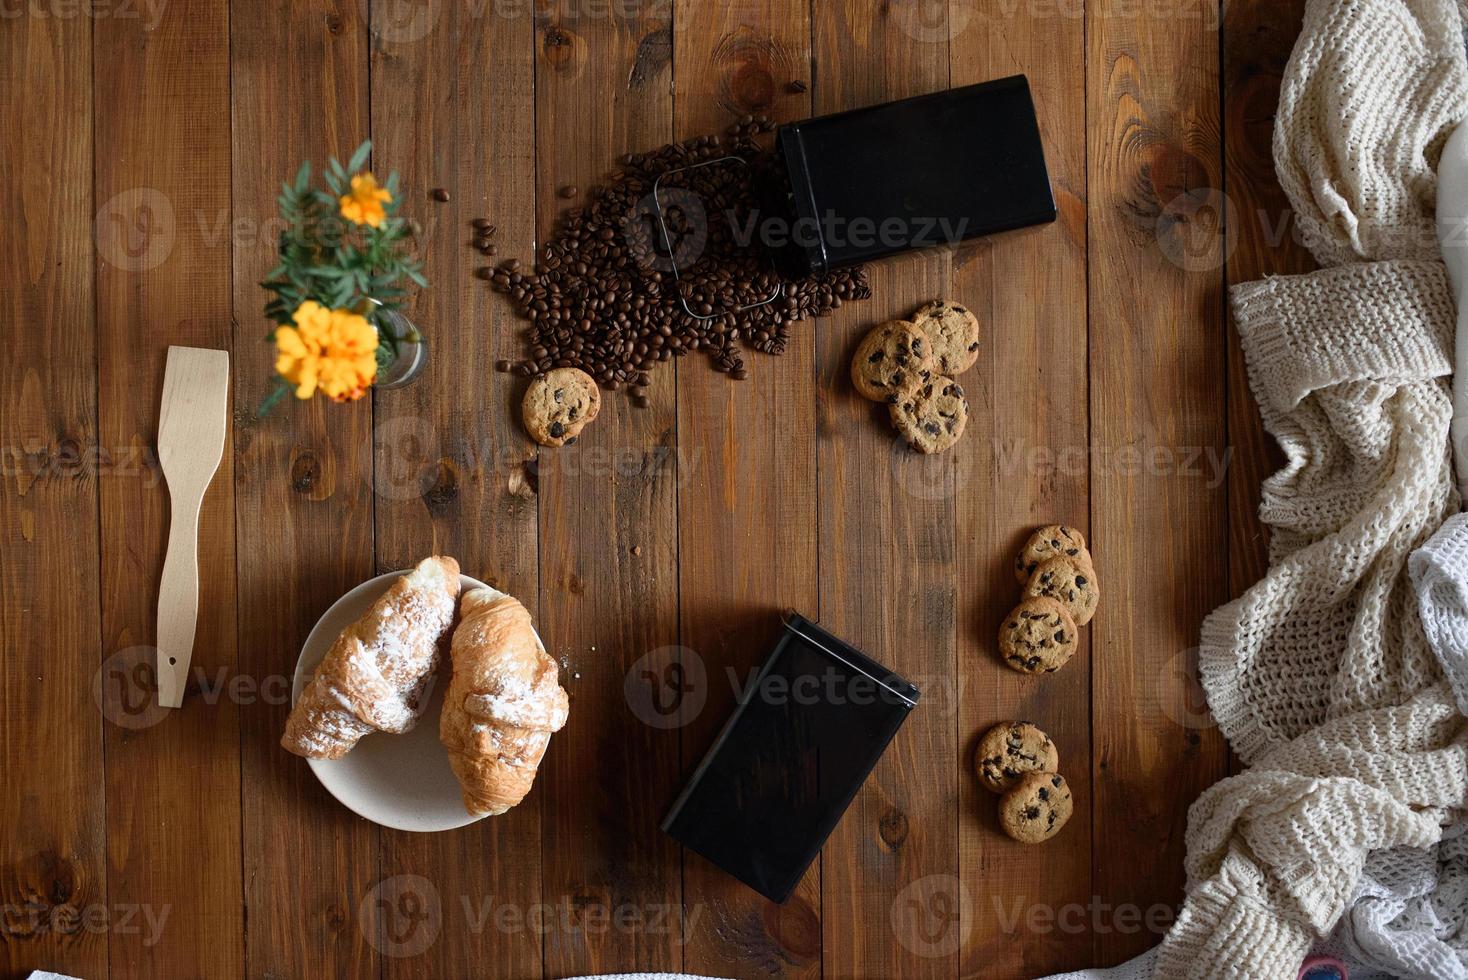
pixel 605 297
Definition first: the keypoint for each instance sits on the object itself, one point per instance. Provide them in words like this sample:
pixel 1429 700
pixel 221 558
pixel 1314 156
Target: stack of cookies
pixel 910 365
pixel 1060 595
pixel 1018 761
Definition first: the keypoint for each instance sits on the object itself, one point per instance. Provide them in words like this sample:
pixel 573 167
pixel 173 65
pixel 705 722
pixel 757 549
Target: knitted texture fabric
pixel 1321 675
pixel 1372 91
pixel 1440 575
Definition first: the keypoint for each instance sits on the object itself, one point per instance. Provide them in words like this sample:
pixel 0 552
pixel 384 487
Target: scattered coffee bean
pixel 570 191
pixel 501 365
pixel 796 87
pixel 483 226
pixel 602 297
pixel 440 195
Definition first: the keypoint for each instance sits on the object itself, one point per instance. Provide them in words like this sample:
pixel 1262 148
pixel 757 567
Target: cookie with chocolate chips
pixel 953 330
pixel 1050 541
pixel 1011 750
pixel 1038 636
pixel 894 357
pixel 559 404
pixel 931 416
pixel 1070 582
pixel 1036 808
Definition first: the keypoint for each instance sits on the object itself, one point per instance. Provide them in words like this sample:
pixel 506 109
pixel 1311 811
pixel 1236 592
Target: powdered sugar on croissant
pixel 504 702
pixel 374 676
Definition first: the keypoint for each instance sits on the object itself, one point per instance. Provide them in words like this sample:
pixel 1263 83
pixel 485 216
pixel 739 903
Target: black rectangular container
pixel 806 734
pixel 931 170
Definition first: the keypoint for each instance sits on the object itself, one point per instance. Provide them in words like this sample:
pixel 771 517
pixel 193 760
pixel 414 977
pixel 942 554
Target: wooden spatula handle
pixel 178 601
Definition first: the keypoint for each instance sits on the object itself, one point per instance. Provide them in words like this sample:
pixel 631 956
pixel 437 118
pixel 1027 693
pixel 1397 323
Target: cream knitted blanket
pixel 1320 675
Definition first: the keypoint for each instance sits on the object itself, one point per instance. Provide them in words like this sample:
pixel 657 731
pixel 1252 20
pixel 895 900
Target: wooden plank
pixel 52 861
pixel 302 498
pixel 603 89
pixel 747 503
pixel 1257 39
pixel 452 108
pixel 890 873
pixel 1023 463
pixel 1158 404
pixel 162 165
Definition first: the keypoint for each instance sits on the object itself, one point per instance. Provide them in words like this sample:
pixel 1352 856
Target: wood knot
pixel 559 47
pixel 654 53
pixel 892 828
pixel 336 918
pixel 305 472
pixel 748 64
pixel 795 927
pixel 58 878
pixel 333 24
pixel 1179 180
pixel 752 86
pixel 443 488
pixel 574 585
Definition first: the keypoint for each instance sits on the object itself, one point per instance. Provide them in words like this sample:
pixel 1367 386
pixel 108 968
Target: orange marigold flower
pixel 363 205
pixel 332 351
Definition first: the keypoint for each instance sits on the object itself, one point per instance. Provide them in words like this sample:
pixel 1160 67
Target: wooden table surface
pixel 141 145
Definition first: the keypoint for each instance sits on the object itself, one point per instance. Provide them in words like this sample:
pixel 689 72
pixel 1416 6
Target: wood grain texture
pixel 889 873
pixel 1022 463
pixel 303 499
pixel 52 857
pixel 747 503
pixel 452 109
pixel 603 89
pixel 161 157
pixel 1257 39
pixel 138 168
pixel 1157 398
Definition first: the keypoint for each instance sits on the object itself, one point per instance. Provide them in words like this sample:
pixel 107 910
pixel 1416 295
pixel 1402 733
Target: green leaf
pixel 359 158
pixel 273 399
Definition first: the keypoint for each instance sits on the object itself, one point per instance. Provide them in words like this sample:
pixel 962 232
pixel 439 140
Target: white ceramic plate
pixel 399 781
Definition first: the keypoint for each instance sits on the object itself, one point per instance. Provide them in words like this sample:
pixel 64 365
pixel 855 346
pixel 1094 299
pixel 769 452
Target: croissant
pixel 373 677
pixel 503 703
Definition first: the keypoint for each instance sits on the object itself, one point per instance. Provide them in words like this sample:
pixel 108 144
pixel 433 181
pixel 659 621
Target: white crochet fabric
pixel 1321 675
pixel 1440 576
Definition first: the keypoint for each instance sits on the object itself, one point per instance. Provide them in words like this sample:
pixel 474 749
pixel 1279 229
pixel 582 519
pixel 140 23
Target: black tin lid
pixel 807 732
pixel 932 170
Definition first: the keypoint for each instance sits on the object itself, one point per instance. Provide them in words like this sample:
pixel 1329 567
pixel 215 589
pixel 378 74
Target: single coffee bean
pixel 570 191
pixel 483 226
pixel 440 195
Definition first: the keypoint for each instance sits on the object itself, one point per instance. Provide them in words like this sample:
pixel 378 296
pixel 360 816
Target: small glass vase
pixel 411 346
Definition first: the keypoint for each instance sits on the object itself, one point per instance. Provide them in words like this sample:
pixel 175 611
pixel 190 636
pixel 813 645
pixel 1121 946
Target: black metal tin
pixel 775 782
pixel 932 170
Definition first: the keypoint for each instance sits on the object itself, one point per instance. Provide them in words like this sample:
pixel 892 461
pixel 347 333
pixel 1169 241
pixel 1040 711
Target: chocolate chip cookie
pixel 1011 750
pixel 1050 541
pixel 1038 636
pixel 931 416
pixel 1036 808
pixel 1071 583
pixel 953 331
pixel 559 404
pixel 893 358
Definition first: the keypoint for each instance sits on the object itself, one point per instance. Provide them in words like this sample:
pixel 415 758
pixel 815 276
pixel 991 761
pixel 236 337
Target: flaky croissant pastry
pixel 503 703
pixel 373 677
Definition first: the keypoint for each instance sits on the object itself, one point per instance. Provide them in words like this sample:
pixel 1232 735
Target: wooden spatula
pixel 191 426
